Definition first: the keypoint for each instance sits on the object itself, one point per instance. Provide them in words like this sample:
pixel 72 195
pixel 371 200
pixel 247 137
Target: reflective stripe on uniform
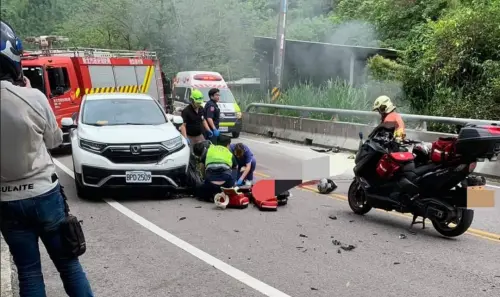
pixel 217 154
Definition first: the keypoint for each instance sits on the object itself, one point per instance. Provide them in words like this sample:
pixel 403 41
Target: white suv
pixel 126 140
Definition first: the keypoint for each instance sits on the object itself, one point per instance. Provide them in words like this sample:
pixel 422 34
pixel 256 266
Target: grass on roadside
pixel 333 94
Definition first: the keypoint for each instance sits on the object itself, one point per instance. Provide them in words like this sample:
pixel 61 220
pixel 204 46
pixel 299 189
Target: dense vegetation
pixel 450 61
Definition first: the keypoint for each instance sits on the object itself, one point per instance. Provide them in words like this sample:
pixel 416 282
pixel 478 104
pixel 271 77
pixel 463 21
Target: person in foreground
pixel 246 163
pixel 219 164
pixel 387 110
pixel 194 121
pixel 32 205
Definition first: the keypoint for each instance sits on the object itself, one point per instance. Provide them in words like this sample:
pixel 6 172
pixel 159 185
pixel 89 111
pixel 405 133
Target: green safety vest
pixel 217 154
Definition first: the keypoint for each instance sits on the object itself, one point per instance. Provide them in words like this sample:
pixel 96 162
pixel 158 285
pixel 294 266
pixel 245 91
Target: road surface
pixel 148 246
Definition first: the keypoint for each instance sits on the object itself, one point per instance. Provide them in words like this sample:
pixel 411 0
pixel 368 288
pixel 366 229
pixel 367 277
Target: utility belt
pixel 218 167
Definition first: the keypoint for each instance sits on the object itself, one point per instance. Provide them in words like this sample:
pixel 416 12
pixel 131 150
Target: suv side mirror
pixel 177 120
pixel 68 123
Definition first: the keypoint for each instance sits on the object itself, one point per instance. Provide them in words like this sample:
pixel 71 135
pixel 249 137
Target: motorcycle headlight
pixel 91 146
pixel 173 143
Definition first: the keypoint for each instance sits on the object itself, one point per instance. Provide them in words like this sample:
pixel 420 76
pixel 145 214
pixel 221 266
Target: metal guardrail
pixel 423 119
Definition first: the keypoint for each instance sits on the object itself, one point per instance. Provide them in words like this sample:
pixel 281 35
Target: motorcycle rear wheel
pixel 355 194
pixel 466 218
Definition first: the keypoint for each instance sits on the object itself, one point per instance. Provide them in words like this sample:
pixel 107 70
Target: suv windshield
pixel 225 95
pixel 107 112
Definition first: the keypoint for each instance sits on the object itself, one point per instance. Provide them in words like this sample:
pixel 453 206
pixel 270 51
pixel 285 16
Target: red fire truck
pixel 65 75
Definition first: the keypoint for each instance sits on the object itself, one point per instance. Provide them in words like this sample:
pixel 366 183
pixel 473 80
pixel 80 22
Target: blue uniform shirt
pixel 212 111
pixel 247 155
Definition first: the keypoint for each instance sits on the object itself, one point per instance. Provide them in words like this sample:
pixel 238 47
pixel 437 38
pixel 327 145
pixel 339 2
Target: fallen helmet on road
pixel 283 198
pixel 326 186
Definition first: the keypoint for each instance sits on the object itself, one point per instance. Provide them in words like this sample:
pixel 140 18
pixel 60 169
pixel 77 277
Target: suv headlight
pixel 173 143
pixel 91 146
pixel 239 115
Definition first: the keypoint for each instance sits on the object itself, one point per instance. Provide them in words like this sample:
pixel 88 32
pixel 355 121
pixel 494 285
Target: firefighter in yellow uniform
pixel 219 165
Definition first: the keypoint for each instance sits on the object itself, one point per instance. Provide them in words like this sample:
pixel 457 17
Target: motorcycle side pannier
pixel 389 164
pixel 443 149
pixel 477 142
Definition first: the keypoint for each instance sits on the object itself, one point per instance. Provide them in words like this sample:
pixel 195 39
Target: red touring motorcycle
pixel 426 183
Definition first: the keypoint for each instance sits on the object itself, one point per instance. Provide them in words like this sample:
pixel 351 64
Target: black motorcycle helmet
pixel 11 50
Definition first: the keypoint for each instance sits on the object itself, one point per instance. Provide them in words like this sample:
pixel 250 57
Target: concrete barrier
pixel 329 133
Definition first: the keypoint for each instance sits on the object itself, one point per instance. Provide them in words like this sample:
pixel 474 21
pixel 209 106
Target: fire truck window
pixel 58 80
pixel 35 75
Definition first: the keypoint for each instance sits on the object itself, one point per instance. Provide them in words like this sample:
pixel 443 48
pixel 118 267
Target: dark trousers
pixel 208 190
pixel 26 221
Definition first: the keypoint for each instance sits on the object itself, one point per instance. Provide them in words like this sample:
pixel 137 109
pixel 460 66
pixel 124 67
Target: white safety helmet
pixel 326 186
pixel 383 104
pixel 221 200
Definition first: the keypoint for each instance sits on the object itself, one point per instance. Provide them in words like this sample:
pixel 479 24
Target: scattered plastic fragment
pixel 332 217
pixel 402 236
pixel 336 242
pixel 303 235
pixel 182 219
pixel 348 247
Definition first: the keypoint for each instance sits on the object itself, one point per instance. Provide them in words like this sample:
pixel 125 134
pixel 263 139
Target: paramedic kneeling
pixel 246 163
pixel 219 163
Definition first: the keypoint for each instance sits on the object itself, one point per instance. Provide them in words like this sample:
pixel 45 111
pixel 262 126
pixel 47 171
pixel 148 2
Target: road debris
pixel 336 242
pixel 396 263
pixel 182 218
pixel 339 251
pixel 402 236
pixel 273 142
pixel 197 207
pixel 236 231
pixel 348 248
pixel 351 221
pixel 332 217
pixel 314 289
pixel 303 235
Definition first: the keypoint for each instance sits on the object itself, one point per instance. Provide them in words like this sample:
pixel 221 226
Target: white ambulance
pixel 230 112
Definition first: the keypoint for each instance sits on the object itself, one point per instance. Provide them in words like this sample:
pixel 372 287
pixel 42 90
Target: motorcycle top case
pixel 389 164
pixel 478 141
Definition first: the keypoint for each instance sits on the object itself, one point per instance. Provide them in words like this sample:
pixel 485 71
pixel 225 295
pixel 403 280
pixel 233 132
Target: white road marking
pixel 6 270
pixel 235 273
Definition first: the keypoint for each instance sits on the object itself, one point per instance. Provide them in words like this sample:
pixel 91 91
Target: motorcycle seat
pixel 421 170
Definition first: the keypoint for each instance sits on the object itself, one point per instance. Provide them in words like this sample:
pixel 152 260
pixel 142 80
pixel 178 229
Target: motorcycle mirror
pixel 361 135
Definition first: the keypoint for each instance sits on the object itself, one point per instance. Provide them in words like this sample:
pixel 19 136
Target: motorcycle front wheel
pixel 357 199
pixel 464 220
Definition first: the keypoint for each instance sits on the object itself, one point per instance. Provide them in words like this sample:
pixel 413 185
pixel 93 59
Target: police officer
pixel 32 206
pixel 212 114
pixel 219 164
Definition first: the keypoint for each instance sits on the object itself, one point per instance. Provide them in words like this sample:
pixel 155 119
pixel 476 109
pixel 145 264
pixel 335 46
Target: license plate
pixel 223 129
pixel 138 177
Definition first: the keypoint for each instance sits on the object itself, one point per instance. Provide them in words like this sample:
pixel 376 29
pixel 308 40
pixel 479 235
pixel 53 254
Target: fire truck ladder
pixel 45 44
